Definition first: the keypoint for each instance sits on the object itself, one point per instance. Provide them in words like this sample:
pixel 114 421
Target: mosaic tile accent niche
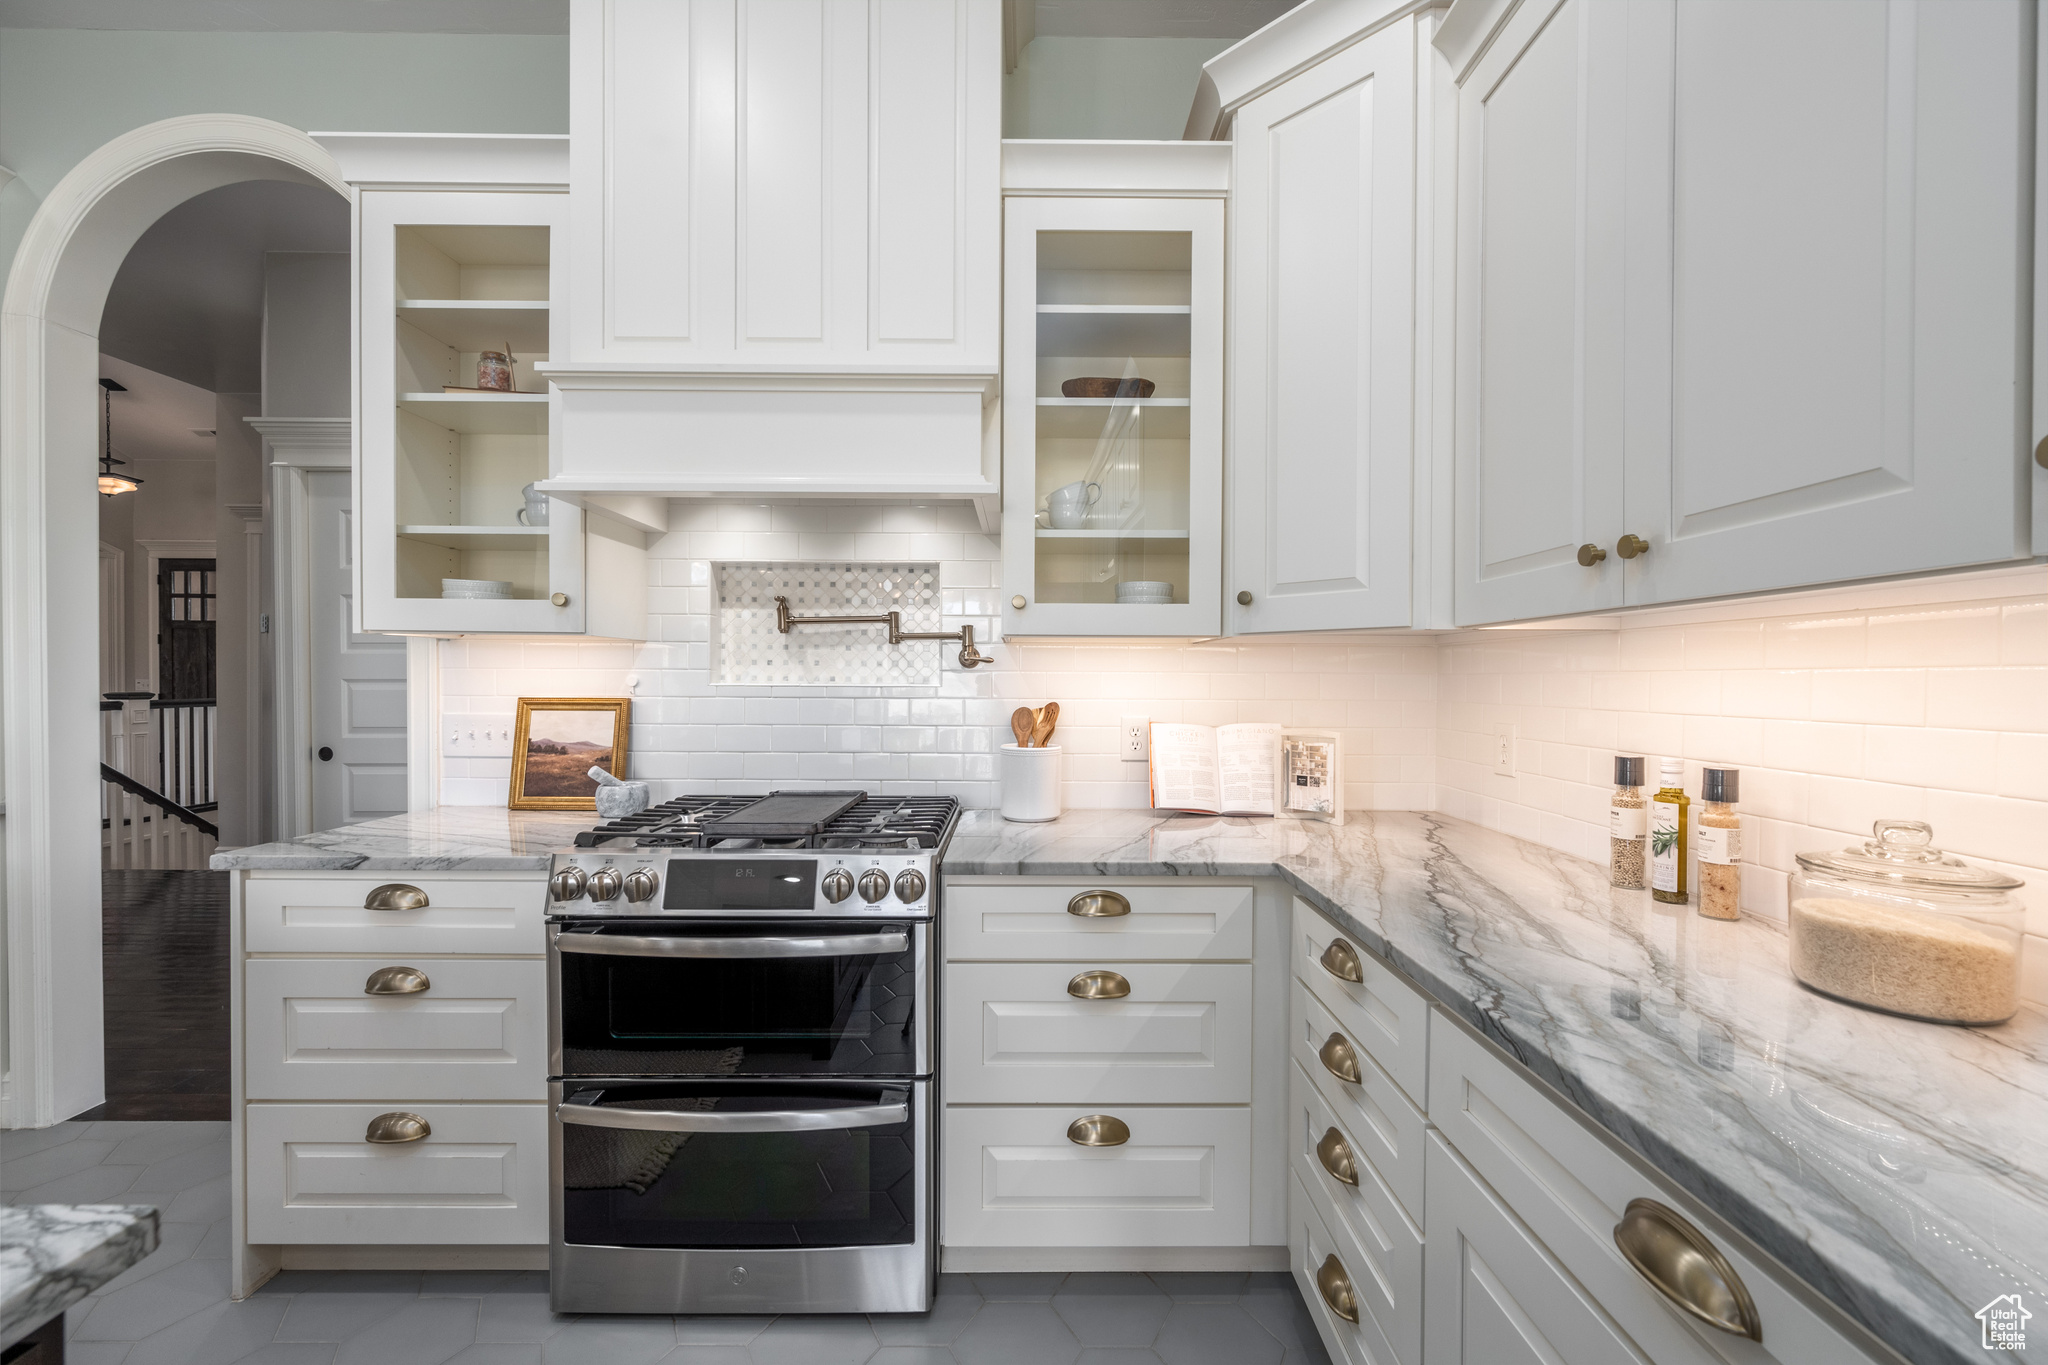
pixel 752 652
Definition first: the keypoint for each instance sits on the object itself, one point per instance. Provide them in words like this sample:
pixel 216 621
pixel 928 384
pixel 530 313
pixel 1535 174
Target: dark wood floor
pixel 164 943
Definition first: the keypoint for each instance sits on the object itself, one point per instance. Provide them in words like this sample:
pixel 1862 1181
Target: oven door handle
pixel 762 1121
pixel 842 945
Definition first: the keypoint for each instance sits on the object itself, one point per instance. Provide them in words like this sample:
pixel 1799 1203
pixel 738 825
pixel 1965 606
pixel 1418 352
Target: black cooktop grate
pixel 715 822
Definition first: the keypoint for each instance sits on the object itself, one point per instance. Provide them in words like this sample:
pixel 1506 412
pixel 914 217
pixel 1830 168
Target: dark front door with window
pixel 184 629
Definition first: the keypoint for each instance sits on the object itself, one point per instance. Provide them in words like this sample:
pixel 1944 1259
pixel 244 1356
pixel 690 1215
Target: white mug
pixel 535 513
pixel 1067 507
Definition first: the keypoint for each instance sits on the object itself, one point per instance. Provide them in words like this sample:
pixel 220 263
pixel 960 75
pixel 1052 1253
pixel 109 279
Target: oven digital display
pixel 731 883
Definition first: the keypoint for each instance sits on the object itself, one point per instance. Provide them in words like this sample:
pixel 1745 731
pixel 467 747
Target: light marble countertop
pixel 1900 1168
pixel 53 1255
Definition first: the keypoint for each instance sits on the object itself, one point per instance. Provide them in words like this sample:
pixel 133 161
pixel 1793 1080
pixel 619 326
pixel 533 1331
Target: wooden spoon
pixel 1021 721
pixel 1048 717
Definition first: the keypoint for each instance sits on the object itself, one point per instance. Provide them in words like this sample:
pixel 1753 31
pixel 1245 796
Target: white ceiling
pixel 155 419
pixel 1232 19
pixel 293 16
pixel 188 301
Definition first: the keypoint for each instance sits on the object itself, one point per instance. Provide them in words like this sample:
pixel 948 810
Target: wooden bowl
pixel 1108 388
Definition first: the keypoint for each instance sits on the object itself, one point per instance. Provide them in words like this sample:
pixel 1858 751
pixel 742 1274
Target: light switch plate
pixel 1135 746
pixel 476 736
pixel 1504 748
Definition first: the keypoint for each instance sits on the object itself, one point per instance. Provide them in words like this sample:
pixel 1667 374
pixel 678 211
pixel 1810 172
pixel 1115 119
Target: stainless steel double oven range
pixel 741 1001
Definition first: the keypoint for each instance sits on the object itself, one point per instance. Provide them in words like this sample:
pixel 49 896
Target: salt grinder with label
pixel 1720 843
pixel 1628 826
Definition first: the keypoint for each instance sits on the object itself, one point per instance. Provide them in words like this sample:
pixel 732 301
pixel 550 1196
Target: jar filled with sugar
pixel 1898 925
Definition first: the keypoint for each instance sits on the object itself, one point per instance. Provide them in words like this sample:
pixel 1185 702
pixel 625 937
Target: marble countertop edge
pixel 53 1255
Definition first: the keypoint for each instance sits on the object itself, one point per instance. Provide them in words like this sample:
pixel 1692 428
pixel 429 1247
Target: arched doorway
pixel 49 368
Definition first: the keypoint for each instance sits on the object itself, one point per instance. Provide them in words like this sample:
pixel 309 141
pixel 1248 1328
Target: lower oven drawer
pixel 1018 1177
pixel 479 1175
pixel 466 1030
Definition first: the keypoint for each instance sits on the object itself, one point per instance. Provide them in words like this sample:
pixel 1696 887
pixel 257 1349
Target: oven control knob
pixel 641 884
pixel 567 885
pixel 910 886
pixel 874 884
pixel 838 885
pixel 604 883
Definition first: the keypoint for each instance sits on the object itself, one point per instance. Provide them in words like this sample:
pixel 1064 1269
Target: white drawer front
pixel 1388 1129
pixel 1310 1244
pixel 1387 1273
pixel 1012 1177
pixel 1572 1189
pixel 1031 923
pixel 326 914
pixel 479 1032
pixel 1015 1036
pixel 1383 1013
pixel 481 1176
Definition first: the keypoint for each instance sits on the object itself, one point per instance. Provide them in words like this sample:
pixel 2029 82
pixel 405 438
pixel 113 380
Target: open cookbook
pixel 1247 770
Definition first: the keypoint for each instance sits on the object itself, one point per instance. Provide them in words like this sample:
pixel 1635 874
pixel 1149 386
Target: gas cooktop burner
pixel 792 820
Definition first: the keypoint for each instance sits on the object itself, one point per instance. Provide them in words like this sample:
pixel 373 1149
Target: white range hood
pixel 785 252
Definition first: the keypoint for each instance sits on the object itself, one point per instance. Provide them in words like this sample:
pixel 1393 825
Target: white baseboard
pixel 415 1257
pixel 994 1260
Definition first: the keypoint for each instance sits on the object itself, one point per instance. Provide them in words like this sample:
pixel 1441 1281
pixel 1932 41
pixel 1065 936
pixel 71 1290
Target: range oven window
pixel 712 1166
pixel 814 998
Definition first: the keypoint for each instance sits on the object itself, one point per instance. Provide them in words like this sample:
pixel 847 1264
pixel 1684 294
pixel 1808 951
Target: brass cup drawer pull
pixel 1335 1287
pixel 396 896
pixel 1099 905
pixel 1340 960
pixel 1335 1154
pixel 397 1126
pixel 1340 1060
pixel 1682 1265
pixel 397 981
pixel 1098 986
pixel 1098 1130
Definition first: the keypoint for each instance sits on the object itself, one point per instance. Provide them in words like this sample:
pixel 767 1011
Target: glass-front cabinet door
pixel 1112 416
pixel 455 308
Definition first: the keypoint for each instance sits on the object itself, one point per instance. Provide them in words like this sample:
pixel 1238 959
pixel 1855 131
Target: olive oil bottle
pixel 1670 826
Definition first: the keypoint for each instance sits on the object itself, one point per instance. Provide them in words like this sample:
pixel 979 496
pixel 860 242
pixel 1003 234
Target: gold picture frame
pixel 574 739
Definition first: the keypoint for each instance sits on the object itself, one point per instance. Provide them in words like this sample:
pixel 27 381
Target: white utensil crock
pixel 1031 784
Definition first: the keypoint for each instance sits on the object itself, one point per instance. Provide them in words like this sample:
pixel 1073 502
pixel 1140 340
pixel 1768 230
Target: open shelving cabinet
pixel 442 277
pixel 1115 289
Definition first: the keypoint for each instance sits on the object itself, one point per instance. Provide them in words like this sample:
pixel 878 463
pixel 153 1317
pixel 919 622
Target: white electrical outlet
pixel 1136 745
pixel 1504 749
pixel 476 736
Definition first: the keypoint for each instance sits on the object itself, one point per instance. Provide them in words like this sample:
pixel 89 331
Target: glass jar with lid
pixel 1900 926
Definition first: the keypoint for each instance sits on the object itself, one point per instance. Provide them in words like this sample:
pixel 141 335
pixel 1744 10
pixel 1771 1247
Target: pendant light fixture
pixel 110 482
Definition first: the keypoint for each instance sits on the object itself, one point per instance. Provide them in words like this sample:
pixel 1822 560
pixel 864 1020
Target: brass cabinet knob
pixel 1682 1265
pixel 1591 554
pixel 397 1126
pixel 1335 1154
pixel 1340 960
pixel 560 599
pixel 1335 1287
pixel 1628 547
pixel 1244 599
pixel 1339 1060
pixel 1098 1130
pixel 397 981
pixel 2041 453
pixel 1018 603
pixel 1099 905
pixel 395 896
pixel 1098 986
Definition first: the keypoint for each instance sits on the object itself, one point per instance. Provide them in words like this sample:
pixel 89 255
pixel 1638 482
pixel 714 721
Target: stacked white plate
pixel 1145 592
pixel 476 589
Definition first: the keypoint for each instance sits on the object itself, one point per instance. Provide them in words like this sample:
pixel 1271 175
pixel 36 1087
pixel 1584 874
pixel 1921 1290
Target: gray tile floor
pixel 173 1308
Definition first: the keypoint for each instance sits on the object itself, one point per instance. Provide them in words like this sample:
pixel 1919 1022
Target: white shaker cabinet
pixel 1740 297
pixel 1322 338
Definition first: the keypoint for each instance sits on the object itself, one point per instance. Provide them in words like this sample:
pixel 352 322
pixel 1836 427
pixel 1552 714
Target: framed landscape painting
pixel 556 741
